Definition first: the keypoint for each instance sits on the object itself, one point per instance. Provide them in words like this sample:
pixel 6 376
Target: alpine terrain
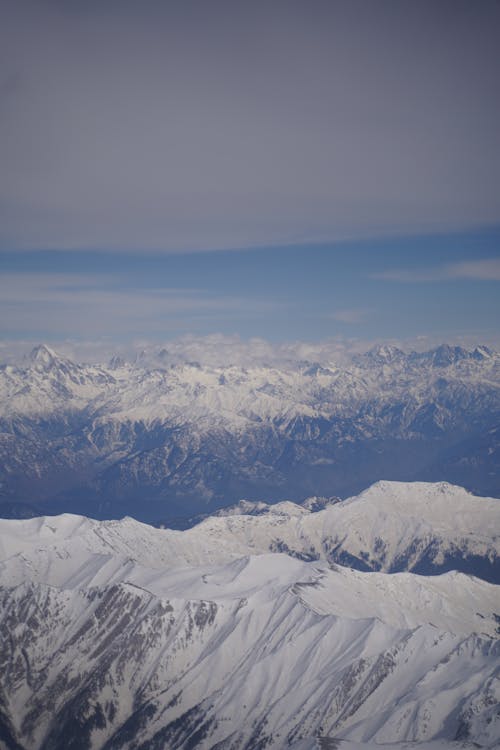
pixel 162 437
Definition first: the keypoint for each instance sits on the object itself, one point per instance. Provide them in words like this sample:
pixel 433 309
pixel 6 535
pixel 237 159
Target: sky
pixel 282 169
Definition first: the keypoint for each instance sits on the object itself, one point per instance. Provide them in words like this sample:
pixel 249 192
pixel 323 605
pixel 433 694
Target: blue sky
pixel 444 287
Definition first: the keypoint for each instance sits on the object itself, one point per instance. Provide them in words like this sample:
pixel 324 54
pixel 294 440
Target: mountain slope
pixel 250 654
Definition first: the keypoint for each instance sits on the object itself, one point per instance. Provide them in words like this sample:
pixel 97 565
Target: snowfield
pixel 115 634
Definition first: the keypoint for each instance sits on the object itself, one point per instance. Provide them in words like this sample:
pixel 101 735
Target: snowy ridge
pixel 392 526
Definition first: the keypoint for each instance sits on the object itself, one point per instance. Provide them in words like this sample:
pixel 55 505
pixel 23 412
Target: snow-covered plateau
pixel 244 632
pixel 160 437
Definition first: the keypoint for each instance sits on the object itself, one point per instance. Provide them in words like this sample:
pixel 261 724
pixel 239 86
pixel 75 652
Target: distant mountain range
pixel 160 441
pixel 245 632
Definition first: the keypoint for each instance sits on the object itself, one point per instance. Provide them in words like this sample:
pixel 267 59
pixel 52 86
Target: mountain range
pixel 244 632
pixel 158 438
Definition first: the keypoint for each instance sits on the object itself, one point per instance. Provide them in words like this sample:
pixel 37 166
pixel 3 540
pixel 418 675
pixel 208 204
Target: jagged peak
pixel 445 355
pixel 42 356
pixel 41 353
pixel 482 352
pixel 385 353
pixel 116 362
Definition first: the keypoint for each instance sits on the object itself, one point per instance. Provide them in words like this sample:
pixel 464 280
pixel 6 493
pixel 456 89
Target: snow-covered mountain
pixel 158 440
pixel 391 527
pixel 242 508
pixel 115 634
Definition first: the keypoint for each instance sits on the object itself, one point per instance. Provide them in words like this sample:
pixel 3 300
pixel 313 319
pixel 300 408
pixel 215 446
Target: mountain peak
pixel 116 362
pixel 482 352
pixel 446 355
pixel 43 356
pixel 385 353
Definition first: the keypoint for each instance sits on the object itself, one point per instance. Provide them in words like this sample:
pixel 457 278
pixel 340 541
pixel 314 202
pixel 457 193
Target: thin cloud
pixel 487 269
pixel 351 316
pixel 480 270
pixel 66 304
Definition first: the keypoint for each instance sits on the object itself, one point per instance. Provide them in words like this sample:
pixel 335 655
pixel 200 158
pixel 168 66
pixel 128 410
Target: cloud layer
pixel 486 269
pixel 191 125
pixel 217 350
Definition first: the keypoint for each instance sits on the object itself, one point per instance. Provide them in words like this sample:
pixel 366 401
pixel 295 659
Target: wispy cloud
pixel 482 270
pixel 351 315
pixel 486 269
pixel 74 304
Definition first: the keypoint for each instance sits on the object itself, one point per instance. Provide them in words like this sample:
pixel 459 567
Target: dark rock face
pixel 420 558
pixel 112 632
